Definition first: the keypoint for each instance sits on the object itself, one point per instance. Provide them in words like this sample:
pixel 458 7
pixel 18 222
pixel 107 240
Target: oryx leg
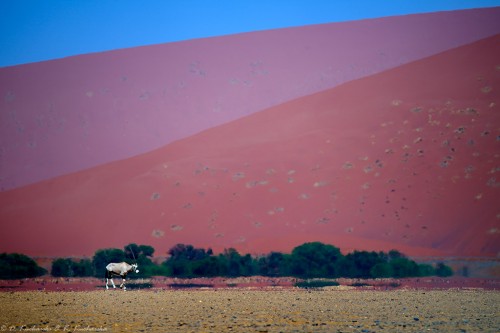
pixel 110 278
pixel 123 284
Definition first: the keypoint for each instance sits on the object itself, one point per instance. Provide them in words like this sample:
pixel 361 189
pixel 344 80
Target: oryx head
pixel 134 268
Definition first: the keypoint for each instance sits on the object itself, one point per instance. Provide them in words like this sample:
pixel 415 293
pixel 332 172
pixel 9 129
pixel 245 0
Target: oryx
pixel 119 269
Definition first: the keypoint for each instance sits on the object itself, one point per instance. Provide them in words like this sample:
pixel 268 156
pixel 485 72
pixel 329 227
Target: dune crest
pixel 67 115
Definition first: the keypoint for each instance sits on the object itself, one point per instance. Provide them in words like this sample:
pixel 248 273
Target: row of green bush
pixel 309 260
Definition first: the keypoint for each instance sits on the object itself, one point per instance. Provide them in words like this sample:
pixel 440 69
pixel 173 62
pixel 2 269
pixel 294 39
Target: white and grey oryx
pixel 119 269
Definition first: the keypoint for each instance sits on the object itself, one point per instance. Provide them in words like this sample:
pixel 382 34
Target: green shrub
pixel 403 267
pixel 62 267
pixel 273 264
pixel 18 266
pixel 426 270
pixel 312 260
pixel 382 270
pixel 443 271
pixel 359 264
pixel 69 268
pixel 313 284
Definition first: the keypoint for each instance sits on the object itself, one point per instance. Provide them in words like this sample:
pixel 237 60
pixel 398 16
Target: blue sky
pixel 37 30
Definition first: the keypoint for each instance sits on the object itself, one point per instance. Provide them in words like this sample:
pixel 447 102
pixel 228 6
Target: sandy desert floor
pixel 333 309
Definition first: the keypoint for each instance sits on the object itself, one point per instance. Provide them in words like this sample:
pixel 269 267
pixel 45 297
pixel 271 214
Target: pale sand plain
pixel 333 309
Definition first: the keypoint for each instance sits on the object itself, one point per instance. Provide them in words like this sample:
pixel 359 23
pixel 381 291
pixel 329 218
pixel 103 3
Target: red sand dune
pixel 62 116
pixel 406 159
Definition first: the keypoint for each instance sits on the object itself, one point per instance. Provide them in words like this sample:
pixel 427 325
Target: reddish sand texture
pixel 406 159
pixel 48 283
pixel 63 116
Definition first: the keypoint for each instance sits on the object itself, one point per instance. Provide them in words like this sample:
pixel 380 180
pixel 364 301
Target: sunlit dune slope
pixel 406 159
pixel 67 115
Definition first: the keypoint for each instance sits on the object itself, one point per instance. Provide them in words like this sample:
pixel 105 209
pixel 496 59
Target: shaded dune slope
pixel 406 159
pixel 62 116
